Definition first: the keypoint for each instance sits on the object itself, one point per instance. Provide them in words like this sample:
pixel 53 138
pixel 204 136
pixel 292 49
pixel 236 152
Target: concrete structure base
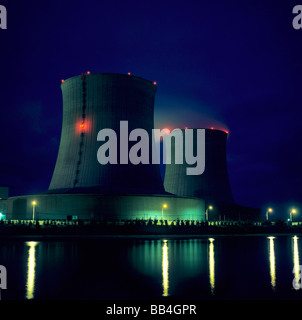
pixel 103 207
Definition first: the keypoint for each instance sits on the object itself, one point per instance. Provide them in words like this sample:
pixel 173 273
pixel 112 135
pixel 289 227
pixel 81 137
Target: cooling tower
pixel 92 102
pixel 213 184
pixel 83 188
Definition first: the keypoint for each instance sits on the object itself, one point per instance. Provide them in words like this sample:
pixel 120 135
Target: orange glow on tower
pixel 155 83
pixel 166 131
pixel 82 126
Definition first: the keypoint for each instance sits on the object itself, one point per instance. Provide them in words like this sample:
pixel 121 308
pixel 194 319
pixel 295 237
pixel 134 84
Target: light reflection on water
pixel 272 262
pixel 31 269
pixel 296 257
pixel 212 265
pixel 127 269
pixel 165 268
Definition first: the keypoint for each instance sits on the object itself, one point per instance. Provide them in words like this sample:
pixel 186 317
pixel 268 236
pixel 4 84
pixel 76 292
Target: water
pixel 223 267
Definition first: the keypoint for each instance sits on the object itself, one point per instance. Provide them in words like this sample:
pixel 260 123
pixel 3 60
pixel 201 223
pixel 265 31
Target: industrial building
pixel 213 186
pixel 81 187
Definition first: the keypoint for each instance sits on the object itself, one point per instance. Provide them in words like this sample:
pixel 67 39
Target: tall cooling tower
pixel 92 102
pixel 213 185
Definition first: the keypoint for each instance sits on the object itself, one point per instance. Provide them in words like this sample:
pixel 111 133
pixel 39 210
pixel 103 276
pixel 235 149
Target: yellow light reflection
pixel 296 258
pixel 272 262
pixel 31 266
pixel 212 265
pixel 165 268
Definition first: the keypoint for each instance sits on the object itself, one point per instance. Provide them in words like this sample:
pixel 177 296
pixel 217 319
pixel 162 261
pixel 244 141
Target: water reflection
pixel 296 257
pixel 212 265
pixel 152 268
pixel 165 268
pixel 31 266
pixel 272 262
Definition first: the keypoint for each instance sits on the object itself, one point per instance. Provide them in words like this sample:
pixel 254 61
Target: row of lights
pixel 88 72
pixel 227 132
pixel 270 210
pixel 155 83
pixel 34 203
pixel 165 206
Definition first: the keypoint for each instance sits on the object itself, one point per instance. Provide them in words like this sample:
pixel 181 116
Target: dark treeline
pixel 143 227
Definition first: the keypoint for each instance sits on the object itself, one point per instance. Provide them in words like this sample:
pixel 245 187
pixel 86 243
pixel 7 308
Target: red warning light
pixel 129 73
pixel 186 128
pixel 155 83
pixel 166 131
pixel 62 80
pixel 227 132
pixel 212 128
pixel 88 72
pixel 82 126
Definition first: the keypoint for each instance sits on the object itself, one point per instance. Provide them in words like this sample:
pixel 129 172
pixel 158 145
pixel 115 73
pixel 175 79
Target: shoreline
pixel 62 237
pixel 139 231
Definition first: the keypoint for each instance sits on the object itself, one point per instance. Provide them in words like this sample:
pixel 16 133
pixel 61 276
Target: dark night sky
pixel 224 64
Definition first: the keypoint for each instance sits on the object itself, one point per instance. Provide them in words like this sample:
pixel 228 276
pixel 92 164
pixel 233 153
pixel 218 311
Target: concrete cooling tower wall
pixel 213 184
pixel 92 102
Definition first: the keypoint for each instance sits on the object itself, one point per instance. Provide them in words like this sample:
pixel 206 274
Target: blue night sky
pixel 234 65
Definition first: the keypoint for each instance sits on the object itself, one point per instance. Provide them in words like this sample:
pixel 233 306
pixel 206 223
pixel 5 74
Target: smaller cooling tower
pixel 213 185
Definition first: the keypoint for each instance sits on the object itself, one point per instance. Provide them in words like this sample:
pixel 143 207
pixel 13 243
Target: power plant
pixel 81 187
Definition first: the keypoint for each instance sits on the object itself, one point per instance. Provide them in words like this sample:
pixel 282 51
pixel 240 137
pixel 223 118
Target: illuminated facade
pixel 103 206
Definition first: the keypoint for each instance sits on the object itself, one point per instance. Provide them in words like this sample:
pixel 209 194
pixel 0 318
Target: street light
pixel 34 205
pixel 291 214
pixel 162 211
pixel 269 210
pixel 207 214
